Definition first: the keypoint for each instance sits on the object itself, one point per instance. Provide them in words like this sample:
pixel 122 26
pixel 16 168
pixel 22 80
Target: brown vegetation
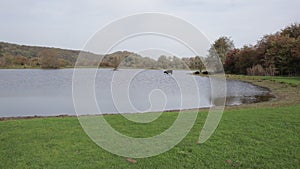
pixel 275 54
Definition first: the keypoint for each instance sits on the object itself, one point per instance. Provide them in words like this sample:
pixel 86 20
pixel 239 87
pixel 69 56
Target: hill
pixel 22 56
pixel 18 56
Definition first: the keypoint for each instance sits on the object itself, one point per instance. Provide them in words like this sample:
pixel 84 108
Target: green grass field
pixel 246 138
pixel 294 81
pixel 282 79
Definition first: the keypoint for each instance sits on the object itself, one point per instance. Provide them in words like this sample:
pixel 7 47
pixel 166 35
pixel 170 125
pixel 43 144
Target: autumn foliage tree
pixel 48 59
pixel 275 54
pixel 230 63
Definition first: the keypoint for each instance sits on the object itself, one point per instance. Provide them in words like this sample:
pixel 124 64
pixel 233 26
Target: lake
pixel 36 92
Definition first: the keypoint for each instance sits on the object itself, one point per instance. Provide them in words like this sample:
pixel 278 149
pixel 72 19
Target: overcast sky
pixel 70 23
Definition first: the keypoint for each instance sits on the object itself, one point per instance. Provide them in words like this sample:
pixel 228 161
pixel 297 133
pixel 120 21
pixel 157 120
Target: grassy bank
pixel 293 80
pixel 262 135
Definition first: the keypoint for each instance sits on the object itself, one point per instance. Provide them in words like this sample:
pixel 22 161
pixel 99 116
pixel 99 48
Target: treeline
pixel 21 56
pixel 125 59
pixel 274 54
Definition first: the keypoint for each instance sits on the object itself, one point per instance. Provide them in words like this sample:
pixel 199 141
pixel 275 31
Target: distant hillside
pixel 13 55
pixel 21 56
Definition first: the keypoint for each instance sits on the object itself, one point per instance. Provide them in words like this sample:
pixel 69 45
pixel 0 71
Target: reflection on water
pixel 49 92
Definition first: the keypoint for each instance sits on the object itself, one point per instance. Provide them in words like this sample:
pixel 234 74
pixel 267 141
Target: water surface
pixel 30 92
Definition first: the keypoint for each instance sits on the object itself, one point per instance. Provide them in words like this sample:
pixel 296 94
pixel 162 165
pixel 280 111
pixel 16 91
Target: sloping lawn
pixel 281 79
pixel 246 138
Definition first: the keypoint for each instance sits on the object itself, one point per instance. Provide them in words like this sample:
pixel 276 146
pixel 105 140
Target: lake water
pixel 35 92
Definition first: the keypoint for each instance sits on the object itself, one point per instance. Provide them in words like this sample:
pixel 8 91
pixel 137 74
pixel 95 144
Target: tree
pixel 149 63
pixel 217 53
pixel 48 59
pixel 178 63
pixel 33 62
pixel 20 60
pixel 293 31
pixel 8 60
pixel 274 54
pixel 198 64
pixel 186 61
pixel 220 48
pixel 116 58
pixel 231 62
pixel 163 62
pixel 280 49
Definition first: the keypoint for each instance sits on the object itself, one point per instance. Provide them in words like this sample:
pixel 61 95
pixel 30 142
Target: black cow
pixel 168 71
pixel 205 72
